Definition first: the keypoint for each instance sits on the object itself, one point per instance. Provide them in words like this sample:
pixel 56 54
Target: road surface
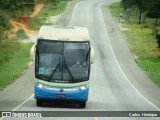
pixel 117 84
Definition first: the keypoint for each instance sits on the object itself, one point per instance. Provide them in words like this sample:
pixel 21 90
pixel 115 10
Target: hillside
pixel 18 19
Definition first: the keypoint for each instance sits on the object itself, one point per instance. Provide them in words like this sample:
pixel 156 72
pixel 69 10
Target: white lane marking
pixel 20 105
pixel 121 68
pixel 33 94
pixel 23 103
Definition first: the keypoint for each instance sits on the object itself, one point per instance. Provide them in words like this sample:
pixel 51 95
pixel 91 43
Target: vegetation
pixel 35 23
pixel 151 66
pixel 142 41
pixel 153 10
pixel 15 7
pixel 52 10
pixel 14 59
pixel 6 50
pixel 21 34
pixel 11 9
pixel 147 9
pixel 150 8
pixel 14 54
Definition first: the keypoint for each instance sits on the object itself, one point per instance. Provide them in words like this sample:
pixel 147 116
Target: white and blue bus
pixel 63 56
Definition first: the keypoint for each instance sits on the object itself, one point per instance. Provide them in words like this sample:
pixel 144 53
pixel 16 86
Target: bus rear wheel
pixel 39 102
pixel 82 104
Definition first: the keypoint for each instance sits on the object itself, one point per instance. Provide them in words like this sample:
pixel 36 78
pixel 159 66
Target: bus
pixel 63 58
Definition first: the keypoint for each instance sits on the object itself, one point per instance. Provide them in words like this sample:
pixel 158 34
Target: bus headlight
pixel 84 87
pixel 39 85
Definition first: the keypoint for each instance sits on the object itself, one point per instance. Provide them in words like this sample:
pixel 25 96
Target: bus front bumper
pixel 43 94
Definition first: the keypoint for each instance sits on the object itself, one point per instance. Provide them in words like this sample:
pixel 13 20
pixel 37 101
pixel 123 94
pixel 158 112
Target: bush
pixel 158 40
pixel 2 37
pixel 7 48
pixel 18 59
pixel 5 22
pixel 21 34
pixel 35 23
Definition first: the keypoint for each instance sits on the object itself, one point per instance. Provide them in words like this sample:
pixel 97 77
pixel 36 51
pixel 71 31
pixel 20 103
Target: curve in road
pixel 110 87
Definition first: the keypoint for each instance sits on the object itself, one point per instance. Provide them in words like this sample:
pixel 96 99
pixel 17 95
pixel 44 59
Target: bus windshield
pixel 62 61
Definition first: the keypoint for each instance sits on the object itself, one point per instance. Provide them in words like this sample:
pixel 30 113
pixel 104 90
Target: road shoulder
pixel 134 74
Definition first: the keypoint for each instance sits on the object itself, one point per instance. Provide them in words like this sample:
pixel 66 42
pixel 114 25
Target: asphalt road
pixel 117 84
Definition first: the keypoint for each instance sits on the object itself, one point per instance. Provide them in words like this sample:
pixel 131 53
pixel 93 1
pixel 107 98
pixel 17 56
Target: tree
pixel 126 4
pixel 153 10
pixel 141 5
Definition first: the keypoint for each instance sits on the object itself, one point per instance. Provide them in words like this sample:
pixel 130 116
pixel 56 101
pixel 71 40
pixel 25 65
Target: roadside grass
pixel 7 47
pixel 14 56
pixel 35 23
pixel 142 43
pixel 151 66
pixel 50 10
pixel 116 10
pixel 141 40
pixel 21 34
pixel 16 63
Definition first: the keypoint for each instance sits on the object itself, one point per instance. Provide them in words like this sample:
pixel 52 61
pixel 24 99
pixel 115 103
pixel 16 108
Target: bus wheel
pixel 82 104
pixel 39 102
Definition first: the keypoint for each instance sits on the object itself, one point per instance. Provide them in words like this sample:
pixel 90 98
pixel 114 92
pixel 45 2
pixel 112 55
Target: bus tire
pixel 82 104
pixel 39 102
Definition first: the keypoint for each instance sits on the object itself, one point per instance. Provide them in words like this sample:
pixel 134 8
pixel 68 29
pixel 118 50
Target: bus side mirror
pixel 32 52
pixel 92 55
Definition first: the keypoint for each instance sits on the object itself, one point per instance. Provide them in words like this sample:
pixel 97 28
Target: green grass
pixel 7 48
pixel 141 40
pixel 14 56
pixel 48 10
pixel 142 43
pixel 21 34
pixel 151 66
pixel 116 10
pixel 35 23
pixel 51 10
pixel 13 67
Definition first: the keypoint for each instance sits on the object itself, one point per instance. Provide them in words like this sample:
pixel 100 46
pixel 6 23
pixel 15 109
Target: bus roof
pixel 63 33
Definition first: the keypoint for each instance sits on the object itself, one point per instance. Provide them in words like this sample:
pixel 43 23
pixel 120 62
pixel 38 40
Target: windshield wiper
pixel 57 66
pixel 69 71
pixel 50 77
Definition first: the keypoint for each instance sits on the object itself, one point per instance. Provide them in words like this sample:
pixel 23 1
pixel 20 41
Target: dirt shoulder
pixel 17 25
pixel 61 19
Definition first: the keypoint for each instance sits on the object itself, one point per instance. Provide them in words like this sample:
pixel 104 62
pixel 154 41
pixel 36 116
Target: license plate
pixel 61 96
